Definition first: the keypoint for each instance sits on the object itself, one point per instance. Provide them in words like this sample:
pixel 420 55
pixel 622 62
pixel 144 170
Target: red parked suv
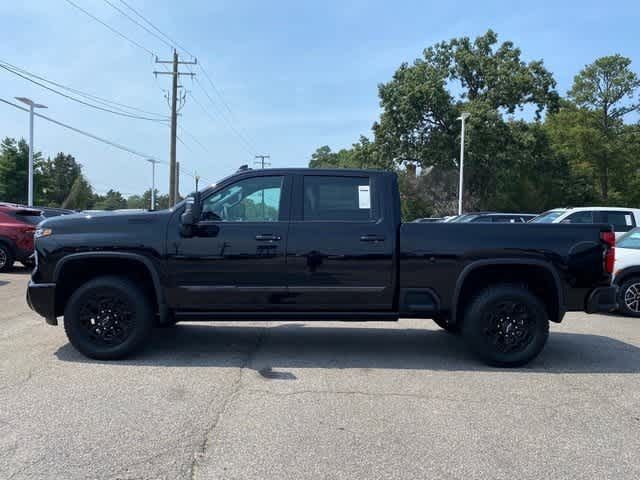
pixel 17 225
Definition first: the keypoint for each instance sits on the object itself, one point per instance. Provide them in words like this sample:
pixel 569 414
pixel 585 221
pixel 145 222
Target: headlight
pixel 42 232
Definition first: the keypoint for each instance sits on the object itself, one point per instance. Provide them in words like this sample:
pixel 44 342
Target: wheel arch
pixel 106 263
pixel 626 273
pixel 554 298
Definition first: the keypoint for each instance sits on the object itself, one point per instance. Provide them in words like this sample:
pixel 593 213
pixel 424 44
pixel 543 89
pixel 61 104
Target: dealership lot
pixel 316 400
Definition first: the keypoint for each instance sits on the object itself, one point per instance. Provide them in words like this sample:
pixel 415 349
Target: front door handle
pixel 268 237
pixel 372 238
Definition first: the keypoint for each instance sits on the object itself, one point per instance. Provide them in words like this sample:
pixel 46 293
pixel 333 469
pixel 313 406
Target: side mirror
pixel 191 215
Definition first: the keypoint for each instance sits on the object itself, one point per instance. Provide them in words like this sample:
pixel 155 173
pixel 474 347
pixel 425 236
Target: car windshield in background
pixel 547 217
pixel 464 218
pixel 630 240
pixel 30 217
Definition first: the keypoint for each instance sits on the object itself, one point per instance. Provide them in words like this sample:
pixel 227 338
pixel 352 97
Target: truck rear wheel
pixel 506 326
pixel 108 318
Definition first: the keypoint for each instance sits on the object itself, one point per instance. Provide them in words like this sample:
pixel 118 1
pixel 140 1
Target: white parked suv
pixel 622 219
pixel 626 273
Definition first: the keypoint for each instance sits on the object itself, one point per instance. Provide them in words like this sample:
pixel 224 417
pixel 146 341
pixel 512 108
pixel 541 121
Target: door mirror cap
pixel 191 215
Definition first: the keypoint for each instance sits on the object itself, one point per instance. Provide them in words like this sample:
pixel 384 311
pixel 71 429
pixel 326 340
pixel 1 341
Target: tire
pixel 6 258
pixel 108 318
pixel 629 297
pixel 28 263
pixel 443 323
pixel 506 326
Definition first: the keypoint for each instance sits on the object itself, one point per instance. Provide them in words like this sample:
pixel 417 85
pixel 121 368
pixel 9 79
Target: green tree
pixel 607 89
pixel 14 165
pixel 112 200
pixel 144 201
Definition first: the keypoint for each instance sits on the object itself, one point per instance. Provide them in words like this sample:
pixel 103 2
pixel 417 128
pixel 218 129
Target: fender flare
pixel 155 277
pixel 509 261
pixel 626 272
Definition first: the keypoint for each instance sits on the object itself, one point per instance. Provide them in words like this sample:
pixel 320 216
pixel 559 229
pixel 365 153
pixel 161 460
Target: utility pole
pixel 175 73
pixel 177 186
pixel 197 178
pixel 32 106
pixel 260 160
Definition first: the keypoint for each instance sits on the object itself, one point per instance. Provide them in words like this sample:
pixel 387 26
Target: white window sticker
pixel 364 197
pixel 627 218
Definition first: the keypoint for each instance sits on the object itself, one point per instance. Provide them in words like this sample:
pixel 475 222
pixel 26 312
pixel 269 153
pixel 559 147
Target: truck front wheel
pixel 108 318
pixel 506 326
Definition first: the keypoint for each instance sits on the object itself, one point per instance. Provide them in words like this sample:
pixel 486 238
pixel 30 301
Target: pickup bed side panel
pixel 433 256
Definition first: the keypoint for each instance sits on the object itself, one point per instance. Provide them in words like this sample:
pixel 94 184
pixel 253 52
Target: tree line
pixel 527 147
pixel 59 182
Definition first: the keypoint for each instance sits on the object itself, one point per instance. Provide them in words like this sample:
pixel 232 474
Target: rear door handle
pixel 372 238
pixel 267 237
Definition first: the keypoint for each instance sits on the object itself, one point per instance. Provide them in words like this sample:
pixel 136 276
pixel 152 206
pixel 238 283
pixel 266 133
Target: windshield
pixel 631 239
pixel 547 217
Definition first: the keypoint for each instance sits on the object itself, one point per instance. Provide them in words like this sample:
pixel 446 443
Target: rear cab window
pixel 622 220
pixel 337 198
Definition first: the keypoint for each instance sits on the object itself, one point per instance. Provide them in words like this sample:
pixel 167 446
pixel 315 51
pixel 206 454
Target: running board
pixel 202 316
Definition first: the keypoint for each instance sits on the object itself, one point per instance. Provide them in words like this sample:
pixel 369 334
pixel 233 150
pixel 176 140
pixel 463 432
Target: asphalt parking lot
pixel 316 401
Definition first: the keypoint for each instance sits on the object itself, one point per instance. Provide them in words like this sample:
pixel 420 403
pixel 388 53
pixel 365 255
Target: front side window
pixel 579 217
pixel 252 200
pixel 329 198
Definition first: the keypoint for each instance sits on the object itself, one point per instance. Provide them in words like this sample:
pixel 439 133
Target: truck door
pixel 339 250
pixel 236 259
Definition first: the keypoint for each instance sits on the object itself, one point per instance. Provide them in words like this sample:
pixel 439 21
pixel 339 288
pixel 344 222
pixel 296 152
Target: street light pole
pixel 462 117
pixel 153 182
pixel 32 106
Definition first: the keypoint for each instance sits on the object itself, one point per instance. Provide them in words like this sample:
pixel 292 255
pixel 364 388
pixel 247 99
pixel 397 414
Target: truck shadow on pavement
pixel 273 349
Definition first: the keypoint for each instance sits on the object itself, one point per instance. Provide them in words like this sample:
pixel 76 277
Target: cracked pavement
pixel 316 400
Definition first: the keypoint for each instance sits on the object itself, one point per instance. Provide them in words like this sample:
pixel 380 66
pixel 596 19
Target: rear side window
pixel 622 221
pixel 337 198
pixel 579 217
pixel 30 217
pixel 506 219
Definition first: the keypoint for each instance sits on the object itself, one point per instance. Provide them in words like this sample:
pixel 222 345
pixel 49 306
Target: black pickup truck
pixel 283 244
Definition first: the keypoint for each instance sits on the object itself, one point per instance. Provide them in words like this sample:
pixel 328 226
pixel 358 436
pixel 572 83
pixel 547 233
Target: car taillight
pixel 609 239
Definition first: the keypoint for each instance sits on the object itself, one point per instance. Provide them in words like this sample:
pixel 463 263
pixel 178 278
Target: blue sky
pixel 296 74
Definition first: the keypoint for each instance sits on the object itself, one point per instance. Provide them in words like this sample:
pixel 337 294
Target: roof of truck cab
pixel 312 171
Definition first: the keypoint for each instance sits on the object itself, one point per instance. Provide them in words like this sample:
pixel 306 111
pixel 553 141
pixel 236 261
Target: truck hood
pixel 106 222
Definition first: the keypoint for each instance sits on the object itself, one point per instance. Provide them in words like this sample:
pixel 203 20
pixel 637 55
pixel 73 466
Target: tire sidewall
pixel 128 292
pixel 9 258
pixel 475 318
pixel 622 306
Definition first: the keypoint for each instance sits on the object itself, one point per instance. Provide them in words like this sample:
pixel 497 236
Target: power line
pixel 89 96
pixel 87 134
pixel 232 118
pixel 249 147
pixel 97 107
pixel 117 32
pixel 148 22
pixel 138 23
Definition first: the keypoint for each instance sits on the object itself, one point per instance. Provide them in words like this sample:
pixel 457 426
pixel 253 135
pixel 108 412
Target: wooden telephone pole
pixel 175 73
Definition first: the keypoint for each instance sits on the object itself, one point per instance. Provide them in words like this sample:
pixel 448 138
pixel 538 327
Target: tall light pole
pixel 462 117
pixel 32 106
pixel 153 182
